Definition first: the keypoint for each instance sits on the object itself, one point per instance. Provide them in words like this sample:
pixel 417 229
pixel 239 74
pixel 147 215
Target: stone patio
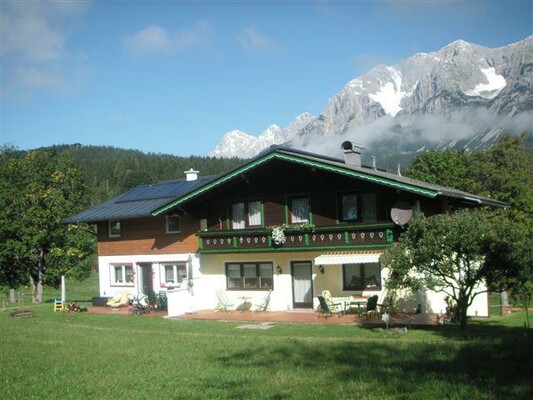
pixel 291 316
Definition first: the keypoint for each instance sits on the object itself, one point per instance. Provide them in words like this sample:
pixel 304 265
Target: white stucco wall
pixel 105 271
pixel 208 276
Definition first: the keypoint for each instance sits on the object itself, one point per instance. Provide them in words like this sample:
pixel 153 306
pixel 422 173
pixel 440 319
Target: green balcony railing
pixel 339 237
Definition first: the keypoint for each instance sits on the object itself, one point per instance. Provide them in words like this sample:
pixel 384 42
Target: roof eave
pixel 283 154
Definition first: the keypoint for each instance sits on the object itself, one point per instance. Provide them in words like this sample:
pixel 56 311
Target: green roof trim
pixel 296 159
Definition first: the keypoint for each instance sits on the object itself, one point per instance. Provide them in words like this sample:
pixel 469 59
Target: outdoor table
pixel 357 302
pixel 246 305
pixel 344 301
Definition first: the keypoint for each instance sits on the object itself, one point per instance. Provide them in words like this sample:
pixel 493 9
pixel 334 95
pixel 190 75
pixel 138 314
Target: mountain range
pixel 463 95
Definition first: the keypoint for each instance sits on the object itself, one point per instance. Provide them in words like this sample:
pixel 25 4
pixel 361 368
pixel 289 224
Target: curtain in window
pixel 169 274
pixel 369 207
pixel 349 207
pixel 237 212
pixel 300 210
pixel 254 213
pixel 118 274
pixel 129 273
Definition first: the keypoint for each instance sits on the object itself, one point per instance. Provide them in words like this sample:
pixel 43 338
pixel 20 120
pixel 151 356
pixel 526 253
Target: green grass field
pixel 89 356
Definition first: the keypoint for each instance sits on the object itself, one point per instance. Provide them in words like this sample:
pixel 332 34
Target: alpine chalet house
pixel 287 224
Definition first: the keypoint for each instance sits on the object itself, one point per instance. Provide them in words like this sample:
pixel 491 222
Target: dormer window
pixel 114 228
pixel 173 223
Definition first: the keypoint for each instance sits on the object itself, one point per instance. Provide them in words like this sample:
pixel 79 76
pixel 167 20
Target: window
pixel 173 224
pixel 122 275
pixel 250 276
pixel 349 207
pixel 368 201
pixel 246 214
pixel 299 210
pixel 358 207
pixel 114 228
pixel 361 276
pixel 173 274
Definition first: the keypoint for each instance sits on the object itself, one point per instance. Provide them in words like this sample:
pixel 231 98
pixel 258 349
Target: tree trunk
pixel 12 298
pixel 504 301
pixel 462 308
pixel 37 281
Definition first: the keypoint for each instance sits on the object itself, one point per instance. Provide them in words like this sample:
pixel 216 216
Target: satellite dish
pixel 401 213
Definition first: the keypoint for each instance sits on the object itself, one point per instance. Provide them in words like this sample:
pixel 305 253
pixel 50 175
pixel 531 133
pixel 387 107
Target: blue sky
pixel 174 76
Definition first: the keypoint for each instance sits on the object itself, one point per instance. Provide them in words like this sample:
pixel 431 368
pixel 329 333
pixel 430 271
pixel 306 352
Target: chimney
pixel 352 153
pixel 191 175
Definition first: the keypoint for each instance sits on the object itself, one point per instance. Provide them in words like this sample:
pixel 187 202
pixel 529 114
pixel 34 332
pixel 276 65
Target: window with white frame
pixel 299 210
pixel 172 274
pixel 114 228
pixel 173 223
pixel 122 275
pixel 246 214
pixel 250 276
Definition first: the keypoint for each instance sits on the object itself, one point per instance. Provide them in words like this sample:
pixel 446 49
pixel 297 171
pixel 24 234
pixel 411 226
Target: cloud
pixel 251 40
pixel 155 40
pixel 34 45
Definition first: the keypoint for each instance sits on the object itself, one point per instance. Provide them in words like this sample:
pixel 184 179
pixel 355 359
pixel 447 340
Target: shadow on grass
pixel 485 363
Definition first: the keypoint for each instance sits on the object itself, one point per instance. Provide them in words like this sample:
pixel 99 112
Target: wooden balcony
pixel 339 237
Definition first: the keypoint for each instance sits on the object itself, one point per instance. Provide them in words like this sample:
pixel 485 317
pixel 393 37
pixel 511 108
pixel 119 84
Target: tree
pixel 448 168
pixel 445 253
pixel 503 172
pixel 38 190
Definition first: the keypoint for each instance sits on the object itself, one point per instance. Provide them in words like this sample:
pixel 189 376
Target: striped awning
pixel 348 258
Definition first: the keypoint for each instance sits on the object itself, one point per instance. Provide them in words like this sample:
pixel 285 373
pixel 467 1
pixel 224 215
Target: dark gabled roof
pixel 338 166
pixel 159 198
pixel 138 202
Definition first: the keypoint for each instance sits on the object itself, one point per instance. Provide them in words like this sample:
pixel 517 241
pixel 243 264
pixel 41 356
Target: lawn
pixel 88 356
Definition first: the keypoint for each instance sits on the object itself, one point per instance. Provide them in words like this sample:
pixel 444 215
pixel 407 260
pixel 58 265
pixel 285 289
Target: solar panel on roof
pixel 161 190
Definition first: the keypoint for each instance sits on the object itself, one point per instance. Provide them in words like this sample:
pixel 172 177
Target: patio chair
pixel 371 307
pixel 162 301
pixel 223 302
pixel 337 308
pixel 325 310
pixel 264 305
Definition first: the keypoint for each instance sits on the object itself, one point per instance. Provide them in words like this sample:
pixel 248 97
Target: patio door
pixel 146 284
pixel 302 284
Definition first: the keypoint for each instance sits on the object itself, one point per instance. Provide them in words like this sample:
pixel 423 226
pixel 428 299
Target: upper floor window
pixel 349 209
pixel 299 210
pixel 173 273
pixel 246 214
pixel 173 223
pixel 122 275
pixel 114 228
pixel 358 207
pixel 361 276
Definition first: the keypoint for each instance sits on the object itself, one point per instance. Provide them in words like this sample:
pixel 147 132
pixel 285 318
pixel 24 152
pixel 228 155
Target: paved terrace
pixel 292 316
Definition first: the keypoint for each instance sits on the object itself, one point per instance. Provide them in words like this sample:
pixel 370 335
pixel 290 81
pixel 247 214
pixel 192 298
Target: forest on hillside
pixel 110 171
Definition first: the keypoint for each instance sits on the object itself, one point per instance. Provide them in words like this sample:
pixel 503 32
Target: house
pixel 286 221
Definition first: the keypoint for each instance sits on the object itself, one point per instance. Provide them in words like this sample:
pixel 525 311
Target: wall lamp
pixel 279 270
pixel 321 268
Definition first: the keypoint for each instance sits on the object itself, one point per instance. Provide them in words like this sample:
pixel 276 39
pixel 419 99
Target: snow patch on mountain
pixel 489 90
pixel 390 94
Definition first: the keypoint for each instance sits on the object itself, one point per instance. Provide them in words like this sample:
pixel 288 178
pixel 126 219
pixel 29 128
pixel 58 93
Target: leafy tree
pixel 445 253
pixel 38 191
pixel 448 168
pixel 503 172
